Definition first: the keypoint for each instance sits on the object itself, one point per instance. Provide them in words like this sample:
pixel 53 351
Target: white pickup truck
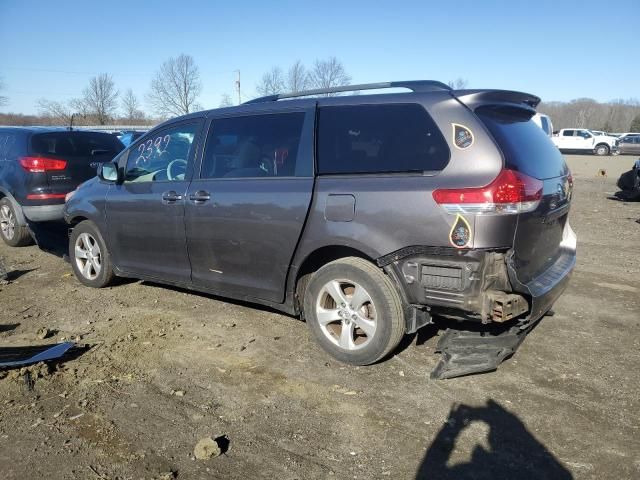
pixel 583 140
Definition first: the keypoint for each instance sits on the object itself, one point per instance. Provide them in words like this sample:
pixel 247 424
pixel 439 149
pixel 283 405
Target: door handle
pixel 171 197
pixel 199 197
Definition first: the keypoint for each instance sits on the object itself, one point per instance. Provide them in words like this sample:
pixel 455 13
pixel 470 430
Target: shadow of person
pixel 513 452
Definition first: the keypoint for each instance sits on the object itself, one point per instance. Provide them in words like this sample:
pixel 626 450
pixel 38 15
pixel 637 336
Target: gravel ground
pixel 167 369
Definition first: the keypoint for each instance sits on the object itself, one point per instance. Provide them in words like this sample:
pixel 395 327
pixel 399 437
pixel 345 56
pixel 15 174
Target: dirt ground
pixel 167 368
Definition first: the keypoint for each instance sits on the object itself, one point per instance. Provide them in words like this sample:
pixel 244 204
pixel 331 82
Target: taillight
pixel 41 164
pixel 510 192
pixel 46 196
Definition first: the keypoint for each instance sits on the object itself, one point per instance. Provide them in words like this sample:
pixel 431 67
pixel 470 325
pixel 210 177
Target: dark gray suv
pixel 366 214
pixel 38 167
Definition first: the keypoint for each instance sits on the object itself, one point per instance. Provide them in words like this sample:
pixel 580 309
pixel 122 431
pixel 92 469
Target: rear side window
pixel 379 139
pixel 75 144
pixel 524 145
pixel 254 146
pixel 567 133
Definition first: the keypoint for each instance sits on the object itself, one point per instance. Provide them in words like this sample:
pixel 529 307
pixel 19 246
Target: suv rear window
pixel 75 144
pixel 379 139
pixel 524 145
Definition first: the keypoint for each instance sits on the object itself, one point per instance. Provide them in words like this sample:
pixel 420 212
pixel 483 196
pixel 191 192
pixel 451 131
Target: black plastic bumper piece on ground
pixel 466 352
pixel 11 357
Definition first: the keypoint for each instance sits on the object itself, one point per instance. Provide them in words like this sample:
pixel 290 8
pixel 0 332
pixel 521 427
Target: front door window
pixel 161 157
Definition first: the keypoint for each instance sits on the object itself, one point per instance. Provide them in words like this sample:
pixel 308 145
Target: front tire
pixel 90 259
pixel 601 150
pixel 354 311
pixel 12 232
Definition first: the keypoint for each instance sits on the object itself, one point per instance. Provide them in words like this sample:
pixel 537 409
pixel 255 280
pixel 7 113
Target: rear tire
pixel 12 232
pixel 601 150
pixel 354 311
pixel 89 257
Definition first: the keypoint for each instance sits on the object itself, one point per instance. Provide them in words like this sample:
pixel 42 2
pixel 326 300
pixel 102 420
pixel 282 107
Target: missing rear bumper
pixel 466 285
pixel 501 306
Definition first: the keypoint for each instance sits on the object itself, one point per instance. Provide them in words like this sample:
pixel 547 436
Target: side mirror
pixel 108 172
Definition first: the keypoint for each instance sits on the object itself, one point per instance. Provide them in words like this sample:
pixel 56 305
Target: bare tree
pixel 3 98
pixel 131 106
pixel 297 77
pixel 176 87
pixel 225 100
pixel 458 84
pixel 272 82
pixel 100 98
pixel 328 73
pixel 57 112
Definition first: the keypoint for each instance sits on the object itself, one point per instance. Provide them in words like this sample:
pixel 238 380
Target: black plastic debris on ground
pixel 12 357
pixel 466 352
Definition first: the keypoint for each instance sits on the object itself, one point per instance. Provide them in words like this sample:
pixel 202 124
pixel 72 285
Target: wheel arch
pixel 323 255
pixel 75 220
pixel 16 206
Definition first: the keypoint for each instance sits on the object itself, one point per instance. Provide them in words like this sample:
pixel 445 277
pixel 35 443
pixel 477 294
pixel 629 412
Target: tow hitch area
pixel 502 307
pixel 465 352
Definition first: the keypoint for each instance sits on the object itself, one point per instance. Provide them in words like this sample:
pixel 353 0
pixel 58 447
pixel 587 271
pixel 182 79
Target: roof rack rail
pixel 414 85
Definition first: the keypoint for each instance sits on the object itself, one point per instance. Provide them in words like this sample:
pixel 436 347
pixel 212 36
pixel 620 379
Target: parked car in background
pixel 630 144
pixel 582 140
pixel 128 137
pixel 363 214
pixel 628 134
pixel 544 122
pixel 38 167
pixel 600 133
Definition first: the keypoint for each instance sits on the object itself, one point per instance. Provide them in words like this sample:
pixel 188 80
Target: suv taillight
pixel 42 164
pixel 510 192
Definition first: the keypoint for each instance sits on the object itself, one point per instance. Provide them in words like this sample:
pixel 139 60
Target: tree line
pixel 176 86
pixel 322 74
pixel 614 116
pixel 173 91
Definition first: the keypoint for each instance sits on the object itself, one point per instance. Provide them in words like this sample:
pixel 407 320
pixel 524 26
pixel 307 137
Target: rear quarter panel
pixel 393 211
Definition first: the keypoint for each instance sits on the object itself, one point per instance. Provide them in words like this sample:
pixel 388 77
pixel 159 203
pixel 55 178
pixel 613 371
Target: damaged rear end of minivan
pixel 511 249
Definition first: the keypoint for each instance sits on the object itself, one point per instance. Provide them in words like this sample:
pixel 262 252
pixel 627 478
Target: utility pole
pixel 238 87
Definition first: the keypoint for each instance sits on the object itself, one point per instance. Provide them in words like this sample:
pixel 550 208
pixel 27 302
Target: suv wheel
pixel 89 256
pixel 354 311
pixel 602 150
pixel 12 233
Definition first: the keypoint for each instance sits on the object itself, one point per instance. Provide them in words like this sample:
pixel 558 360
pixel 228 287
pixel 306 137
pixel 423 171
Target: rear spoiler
pixel 477 98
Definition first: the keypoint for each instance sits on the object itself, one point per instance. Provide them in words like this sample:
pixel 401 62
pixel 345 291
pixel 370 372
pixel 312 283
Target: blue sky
pixel 558 50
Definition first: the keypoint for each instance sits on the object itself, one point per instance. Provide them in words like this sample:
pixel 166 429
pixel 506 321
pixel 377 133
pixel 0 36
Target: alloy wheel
pixel 346 314
pixel 88 256
pixel 7 222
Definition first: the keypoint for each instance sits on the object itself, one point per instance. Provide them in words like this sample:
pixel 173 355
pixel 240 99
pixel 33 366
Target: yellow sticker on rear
pixel 460 234
pixel 462 136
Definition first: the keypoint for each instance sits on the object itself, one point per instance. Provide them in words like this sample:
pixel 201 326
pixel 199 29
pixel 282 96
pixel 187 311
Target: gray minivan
pixel 366 215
